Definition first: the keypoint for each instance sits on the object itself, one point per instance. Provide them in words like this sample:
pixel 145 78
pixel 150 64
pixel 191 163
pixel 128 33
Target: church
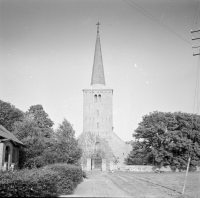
pixel 98 140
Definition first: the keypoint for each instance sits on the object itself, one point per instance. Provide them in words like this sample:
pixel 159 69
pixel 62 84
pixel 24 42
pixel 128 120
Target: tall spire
pixel 98 72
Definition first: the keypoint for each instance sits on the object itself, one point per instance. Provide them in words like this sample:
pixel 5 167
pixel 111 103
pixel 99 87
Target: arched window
pixel 97 125
pixel 95 98
pixel 99 98
pixel 97 112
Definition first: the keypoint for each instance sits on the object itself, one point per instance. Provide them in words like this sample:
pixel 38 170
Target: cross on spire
pixel 98 24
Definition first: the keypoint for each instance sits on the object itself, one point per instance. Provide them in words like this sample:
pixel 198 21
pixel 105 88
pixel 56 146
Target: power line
pixel 195 14
pixel 197 20
pixel 172 31
pixel 155 20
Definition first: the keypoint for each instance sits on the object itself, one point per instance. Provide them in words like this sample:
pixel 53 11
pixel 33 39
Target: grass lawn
pixel 158 185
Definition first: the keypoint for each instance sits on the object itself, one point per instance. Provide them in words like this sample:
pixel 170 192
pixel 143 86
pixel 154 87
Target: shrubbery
pixel 70 177
pixel 48 181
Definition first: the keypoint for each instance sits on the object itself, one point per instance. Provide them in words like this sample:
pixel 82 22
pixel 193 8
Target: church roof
pixel 4 133
pixel 98 72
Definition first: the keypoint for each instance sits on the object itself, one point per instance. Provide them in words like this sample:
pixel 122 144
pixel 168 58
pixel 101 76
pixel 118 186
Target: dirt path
pixel 98 185
pixel 137 185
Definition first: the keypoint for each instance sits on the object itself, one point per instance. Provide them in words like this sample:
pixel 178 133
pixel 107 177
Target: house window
pixel 97 112
pixel 97 125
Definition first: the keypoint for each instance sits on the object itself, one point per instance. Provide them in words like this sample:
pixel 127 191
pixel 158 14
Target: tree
pixel 167 139
pixel 37 113
pixel 40 116
pixel 9 115
pixel 34 142
pixel 65 148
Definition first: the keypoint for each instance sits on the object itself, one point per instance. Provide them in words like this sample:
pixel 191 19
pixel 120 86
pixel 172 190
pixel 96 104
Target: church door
pixel 97 163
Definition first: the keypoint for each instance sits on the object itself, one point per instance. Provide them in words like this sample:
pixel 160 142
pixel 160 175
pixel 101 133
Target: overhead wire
pixel 195 15
pixel 196 96
pixel 197 20
pixel 150 16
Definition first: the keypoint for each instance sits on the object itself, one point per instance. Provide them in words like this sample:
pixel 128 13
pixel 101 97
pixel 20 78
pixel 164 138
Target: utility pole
pixel 195 31
pixel 189 158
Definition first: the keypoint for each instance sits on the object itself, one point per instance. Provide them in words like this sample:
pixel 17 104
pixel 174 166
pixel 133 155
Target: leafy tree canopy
pixel 9 115
pixel 66 146
pixel 167 139
pixel 43 145
pixel 35 143
pixel 39 150
pixel 37 113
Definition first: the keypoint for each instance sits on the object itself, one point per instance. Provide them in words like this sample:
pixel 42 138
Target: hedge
pixel 49 181
pixel 70 177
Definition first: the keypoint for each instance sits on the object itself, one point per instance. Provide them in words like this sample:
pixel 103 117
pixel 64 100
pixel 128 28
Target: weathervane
pixel 98 24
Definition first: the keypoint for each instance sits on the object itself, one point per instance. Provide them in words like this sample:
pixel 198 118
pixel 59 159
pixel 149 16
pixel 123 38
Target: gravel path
pixel 98 185
pixel 142 185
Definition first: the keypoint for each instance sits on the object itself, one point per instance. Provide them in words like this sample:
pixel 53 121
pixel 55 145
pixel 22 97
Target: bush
pixel 70 177
pixel 192 168
pixel 85 175
pixel 49 181
pixel 28 183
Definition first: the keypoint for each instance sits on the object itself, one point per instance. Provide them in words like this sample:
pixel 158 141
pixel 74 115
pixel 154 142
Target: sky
pixel 47 51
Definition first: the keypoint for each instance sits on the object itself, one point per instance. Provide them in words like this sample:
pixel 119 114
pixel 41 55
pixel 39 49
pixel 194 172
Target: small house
pixel 9 150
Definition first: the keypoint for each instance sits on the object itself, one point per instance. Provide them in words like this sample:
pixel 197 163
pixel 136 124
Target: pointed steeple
pixel 98 72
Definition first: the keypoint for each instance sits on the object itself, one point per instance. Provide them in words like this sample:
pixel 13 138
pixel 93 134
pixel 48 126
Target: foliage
pixel 84 174
pixel 39 150
pixel 35 143
pixel 69 177
pixel 167 139
pixel 65 147
pixel 50 181
pixel 37 113
pixel 9 115
pixel 42 145
pixel 40 116
pixel 28 183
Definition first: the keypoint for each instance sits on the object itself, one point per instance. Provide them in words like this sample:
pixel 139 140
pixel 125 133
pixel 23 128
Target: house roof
pixel 8 135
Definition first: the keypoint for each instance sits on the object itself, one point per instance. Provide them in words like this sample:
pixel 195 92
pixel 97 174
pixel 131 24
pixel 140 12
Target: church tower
pixel 98 99
pixel 98 127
